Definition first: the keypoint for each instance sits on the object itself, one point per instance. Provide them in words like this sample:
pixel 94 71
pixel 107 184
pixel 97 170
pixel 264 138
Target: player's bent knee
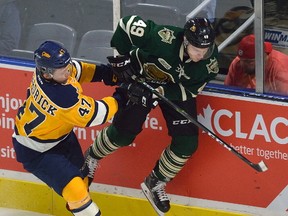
pixel 76 193
pixel 184 145
pixel 121 138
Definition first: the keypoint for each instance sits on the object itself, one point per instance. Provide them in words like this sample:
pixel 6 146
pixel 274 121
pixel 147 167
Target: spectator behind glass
pixel 10 27
pixel 241 71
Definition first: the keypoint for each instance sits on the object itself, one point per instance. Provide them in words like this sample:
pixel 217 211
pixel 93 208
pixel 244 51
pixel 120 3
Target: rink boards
pixel 213 179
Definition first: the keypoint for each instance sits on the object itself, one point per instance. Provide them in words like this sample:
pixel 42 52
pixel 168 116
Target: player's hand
pixel 121 96
pixel 138 94
pixel 122 68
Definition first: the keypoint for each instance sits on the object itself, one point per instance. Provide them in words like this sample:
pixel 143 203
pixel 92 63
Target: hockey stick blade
pixel 260 167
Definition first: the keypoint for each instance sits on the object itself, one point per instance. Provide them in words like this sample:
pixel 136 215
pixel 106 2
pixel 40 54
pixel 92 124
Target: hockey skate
pixel 154 190
pixel 90 165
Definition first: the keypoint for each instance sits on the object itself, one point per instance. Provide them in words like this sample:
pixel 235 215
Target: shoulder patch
pixel 213 67
pixel 166 35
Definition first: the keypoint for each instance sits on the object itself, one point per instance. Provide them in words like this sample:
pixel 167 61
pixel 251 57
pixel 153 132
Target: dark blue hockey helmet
pixel 51 55
pixel 199 32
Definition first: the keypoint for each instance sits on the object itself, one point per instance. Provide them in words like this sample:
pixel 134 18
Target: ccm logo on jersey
pixel 181 122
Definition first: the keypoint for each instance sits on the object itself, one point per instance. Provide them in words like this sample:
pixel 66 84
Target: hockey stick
pixel 260 167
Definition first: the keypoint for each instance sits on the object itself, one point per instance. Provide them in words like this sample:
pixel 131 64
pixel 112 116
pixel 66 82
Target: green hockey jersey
pixel 157 51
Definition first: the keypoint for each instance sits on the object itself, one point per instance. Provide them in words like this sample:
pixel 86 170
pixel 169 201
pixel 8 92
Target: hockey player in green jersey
pixel 178 63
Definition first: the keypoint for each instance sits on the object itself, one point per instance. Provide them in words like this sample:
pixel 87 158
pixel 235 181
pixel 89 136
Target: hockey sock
pixel 170 164
pixel 102 145
pixel 175 156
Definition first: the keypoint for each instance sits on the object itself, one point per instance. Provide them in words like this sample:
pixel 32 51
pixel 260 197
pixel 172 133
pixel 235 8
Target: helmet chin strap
pixel 48 79
pixel 54 81
pixel 51 80
pixel 209 52
pixel 185 44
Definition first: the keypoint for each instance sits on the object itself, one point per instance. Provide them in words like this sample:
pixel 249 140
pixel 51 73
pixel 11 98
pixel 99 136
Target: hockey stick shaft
pixel 260 167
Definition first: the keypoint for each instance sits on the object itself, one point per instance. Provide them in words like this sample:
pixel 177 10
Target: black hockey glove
pixel 106 74
pixel 138 94
pixel 121 96
pixel 122 68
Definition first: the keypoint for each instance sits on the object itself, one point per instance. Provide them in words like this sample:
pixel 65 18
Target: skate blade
pixel 149 197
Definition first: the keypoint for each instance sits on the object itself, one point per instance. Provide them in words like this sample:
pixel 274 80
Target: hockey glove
pixel 122 68
pixel 106 74
pixel 121 96
pixel 138 94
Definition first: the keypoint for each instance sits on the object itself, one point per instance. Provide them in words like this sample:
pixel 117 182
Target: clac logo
pixel 234 123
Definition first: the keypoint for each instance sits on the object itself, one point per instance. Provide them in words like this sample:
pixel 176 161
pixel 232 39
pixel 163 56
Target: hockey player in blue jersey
pixel 44 140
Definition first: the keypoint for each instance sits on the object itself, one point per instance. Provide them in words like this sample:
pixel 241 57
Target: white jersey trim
pixel 78 69
pixel 37 146
pixel 101 114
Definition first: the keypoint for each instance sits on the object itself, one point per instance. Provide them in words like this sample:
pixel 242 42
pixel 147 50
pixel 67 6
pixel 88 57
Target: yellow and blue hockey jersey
pixel 51 110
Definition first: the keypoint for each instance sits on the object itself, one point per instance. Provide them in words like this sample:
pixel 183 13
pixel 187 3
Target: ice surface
pixel 16 212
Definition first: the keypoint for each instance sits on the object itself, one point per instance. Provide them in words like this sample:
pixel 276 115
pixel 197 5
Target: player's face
pixel 61 75
pixel 196 54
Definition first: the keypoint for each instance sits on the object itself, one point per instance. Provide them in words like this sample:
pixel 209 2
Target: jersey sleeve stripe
pixel 101 113
pixel 127 27
pixel 78 69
